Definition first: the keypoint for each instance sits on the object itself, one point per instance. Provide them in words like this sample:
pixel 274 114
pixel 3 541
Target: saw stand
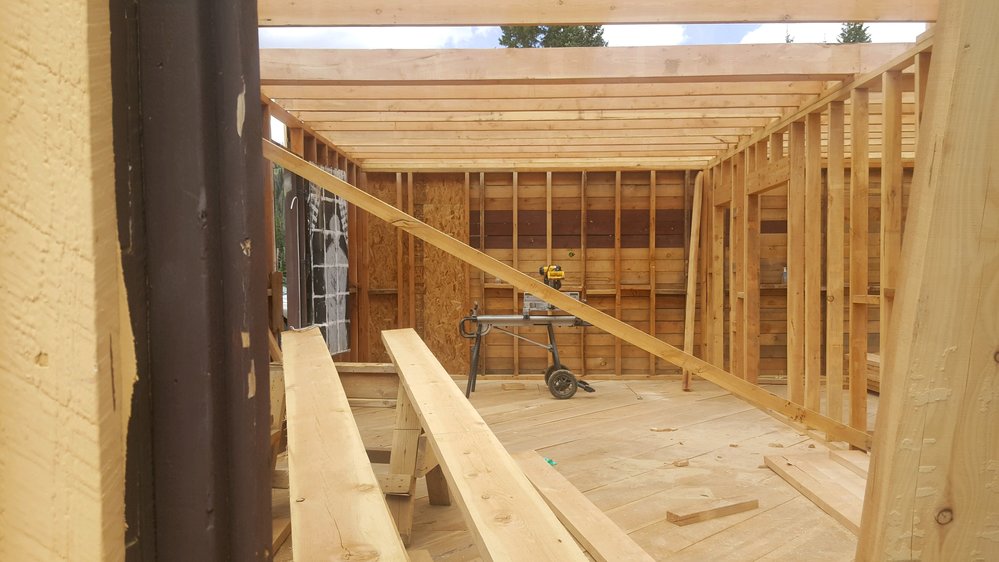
pixel 561 382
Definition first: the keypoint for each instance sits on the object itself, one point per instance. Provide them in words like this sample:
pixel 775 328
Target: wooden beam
pixel 617 267
pixel 751 274
pixel 621 125
pixel 528 164
pixel 411 254
pixel 812 265
pixel 891 212
pixel 515 247
pixel 932 483
pixel 679 63
pixel 598 534
pixel 583 12
pixel 692 264
pixel 621 330
pixel 337 509
pixel 835 245
pixel 402 461
pixel 737 233
pixel 796 264
pixel 504 513
pixel 305 108
pixel 716 346
pixel 400 310
pixel 859 185
pixel 546 91
pixel 652 266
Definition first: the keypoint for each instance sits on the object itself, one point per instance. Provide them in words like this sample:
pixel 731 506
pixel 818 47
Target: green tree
pixel 854 32
pixel 534 36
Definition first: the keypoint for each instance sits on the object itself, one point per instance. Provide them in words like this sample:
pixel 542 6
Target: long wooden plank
pixel 505 514
pixel 676 63
pixel 891 211
pixel 932 486
pixel 583 12
pixel 835 245
pixel 796 256
pixel 690 306
pixel 598 534
pixel 337 508
pixel 831 486
pixel 748 391
pixel 813 261
pixel 737 256
pixel 859 186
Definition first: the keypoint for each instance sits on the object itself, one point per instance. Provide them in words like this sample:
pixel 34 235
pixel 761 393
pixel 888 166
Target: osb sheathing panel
pixel 64 403
pixel 444 281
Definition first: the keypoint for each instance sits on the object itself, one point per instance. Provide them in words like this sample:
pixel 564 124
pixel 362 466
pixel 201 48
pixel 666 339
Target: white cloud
pixel 643 35
pixel 374 37
pixel 828 32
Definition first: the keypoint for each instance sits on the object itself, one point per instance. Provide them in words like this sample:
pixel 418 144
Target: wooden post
pixel 717 344
pixel 691 296
pixel 270 247
pixel 859 185
pixel 363 279
pixel 405 442
pixel 652 265
pixel 736 296
pixel 751 277
pixel 891 209
pixel 796 265
pixel 835 236
pixel 922 74
pixel 617 267
pixel 516 265
pixel 400 311
pixel 813 261
pixel 932 489
pixel 411 264
pixel 582 266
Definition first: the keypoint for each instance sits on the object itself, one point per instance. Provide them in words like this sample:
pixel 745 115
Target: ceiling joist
pixel 584 12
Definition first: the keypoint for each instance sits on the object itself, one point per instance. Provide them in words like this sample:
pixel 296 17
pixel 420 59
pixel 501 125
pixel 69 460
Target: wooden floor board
pixel 604 445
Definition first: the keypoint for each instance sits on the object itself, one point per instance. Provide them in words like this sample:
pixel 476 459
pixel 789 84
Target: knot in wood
pixel 945 516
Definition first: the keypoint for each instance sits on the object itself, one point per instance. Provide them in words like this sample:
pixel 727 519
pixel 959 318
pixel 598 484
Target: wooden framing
pixel 621 330
pixel 525 12
pixel 835 244
pixel 859 185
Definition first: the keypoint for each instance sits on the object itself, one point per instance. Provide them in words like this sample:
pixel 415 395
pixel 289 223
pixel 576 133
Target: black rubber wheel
pixel 550 370
pixel 562 384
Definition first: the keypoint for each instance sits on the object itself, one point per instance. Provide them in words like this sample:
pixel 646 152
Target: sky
pixel 615 35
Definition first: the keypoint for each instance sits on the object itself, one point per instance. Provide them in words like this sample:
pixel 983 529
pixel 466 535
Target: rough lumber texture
pixel 932 488
pixel 833 487
pixel 748 391
pixel 337 508
pixel 68 359
pixel 601 537
pixel 508 517
pixel 582 64
pixel 528 12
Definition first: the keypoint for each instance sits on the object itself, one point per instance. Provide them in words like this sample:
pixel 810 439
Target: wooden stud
pixel 796 265
pixel 548 218
pixel 411 253
pixel 400 311
pixel 582 266
pixel 617 267
pixel 859 185
pixel 717 296
pixel 922 75
pixel 751 276
pixel 652 265
pixel 891 210
pixel 813 261
pixel 483 351
pixel 467 238
pixel 270 247
pixel 736 297
pixel 621 330
pixel 932 481
pixel 835 244
pixel 692 264
pixel 363 279
pixel 353 259
pixel 515 188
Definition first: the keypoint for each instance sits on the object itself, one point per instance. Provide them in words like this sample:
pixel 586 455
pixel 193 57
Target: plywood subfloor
pixel 622 446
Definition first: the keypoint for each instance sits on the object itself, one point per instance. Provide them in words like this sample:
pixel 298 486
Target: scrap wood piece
pixel 280 531
pixel 709 509
pixel 828 484
pixel 337 507
pixel 601 537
